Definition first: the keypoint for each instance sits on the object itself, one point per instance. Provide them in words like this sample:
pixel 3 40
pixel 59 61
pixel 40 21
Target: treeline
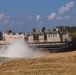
pixel 71 29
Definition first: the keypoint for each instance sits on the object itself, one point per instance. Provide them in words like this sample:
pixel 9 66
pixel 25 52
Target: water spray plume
pixel 19 49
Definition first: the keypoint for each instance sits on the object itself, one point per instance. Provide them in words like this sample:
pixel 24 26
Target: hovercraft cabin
pixel 41 36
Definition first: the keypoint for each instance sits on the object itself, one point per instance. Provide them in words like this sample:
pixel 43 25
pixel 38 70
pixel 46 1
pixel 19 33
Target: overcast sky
pixel 24 15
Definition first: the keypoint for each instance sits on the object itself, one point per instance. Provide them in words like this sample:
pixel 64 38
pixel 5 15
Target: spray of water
pixel 19 49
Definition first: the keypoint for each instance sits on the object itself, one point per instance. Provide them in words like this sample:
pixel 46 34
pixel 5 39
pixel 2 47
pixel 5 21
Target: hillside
pixel 51 64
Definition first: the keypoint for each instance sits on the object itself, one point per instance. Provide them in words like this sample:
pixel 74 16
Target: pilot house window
pixel 36 37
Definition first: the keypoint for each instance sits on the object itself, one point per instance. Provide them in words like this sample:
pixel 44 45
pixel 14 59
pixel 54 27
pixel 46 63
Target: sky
pixel 24 15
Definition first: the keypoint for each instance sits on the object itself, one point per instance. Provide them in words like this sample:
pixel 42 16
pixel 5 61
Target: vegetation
pixel 74 34
pixel 0 36
pixel 51 64
pixel 71 29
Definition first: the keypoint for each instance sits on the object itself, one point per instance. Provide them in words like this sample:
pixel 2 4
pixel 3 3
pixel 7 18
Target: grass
pixel 51 64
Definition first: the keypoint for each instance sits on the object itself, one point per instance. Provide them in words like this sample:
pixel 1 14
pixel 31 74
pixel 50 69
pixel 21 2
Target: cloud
pixel 41 22
pixel 29 17
pixel 59 18
pixel 52 16
pixel 6 21
pixel 38 17
pixel 11 22
pixel 16 23
pixel 62 18
pixel 3 16
pixel 66 8
pixel 62 9
pixel 67 17
pixel 7 16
